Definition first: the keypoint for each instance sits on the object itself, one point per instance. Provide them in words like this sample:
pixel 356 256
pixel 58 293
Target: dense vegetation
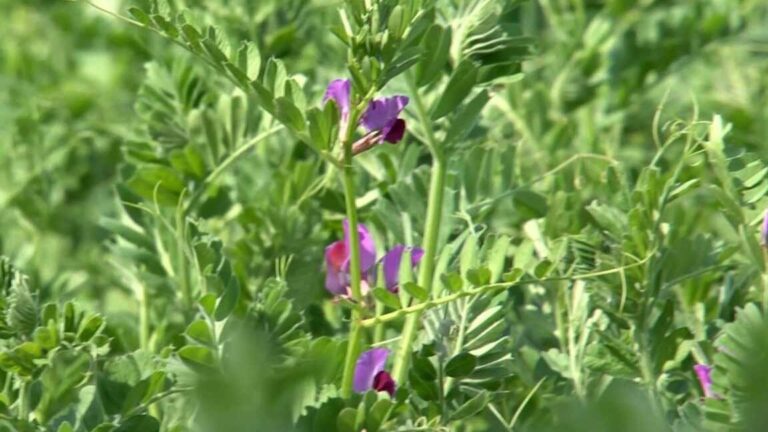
pixel 413 215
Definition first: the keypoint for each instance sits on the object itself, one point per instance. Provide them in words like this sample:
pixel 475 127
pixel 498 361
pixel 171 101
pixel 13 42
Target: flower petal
pixel 703 373
pixel 764 230
pixel 382 113
pixel 391 264
pixel 416 254
pixel 336 257
pixel 339 90
pixel 369 364
pixel 367 247
pixel 336 282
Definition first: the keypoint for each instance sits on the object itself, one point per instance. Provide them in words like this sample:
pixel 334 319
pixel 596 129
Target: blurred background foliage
pixel 617 133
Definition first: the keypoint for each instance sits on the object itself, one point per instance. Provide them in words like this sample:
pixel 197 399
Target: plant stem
pixel 355 331
pixel 434 211
pixel 181 256
pixel 143 317
pixel 419 307
pixel 431 231
pixel 23 401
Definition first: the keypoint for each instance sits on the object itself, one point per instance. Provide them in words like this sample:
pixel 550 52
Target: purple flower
pixel 392 264
pixel 703 373
pixel 370 373
pixel 339 91
pixel 764 230
pixel 382 116
pixel 337 256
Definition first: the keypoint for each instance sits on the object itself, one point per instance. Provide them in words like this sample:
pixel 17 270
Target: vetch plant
pixel 374 215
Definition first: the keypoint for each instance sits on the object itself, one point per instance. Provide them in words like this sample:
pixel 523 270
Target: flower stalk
pixel 355 331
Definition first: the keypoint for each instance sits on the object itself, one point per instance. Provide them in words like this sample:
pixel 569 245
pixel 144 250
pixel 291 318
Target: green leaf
pixel 131 235
pixel 198 357
pixel 208 303
pixel 479 277
pixel 377 414
pixel 401 63
pixel 386 297
pixel 461 365
pixel 346 420
pixel 60 382
pixel 471 407
pixel 462 122
pixel 139 15
pixel 139 423
pixel 437 44
pixel 46 338
pixel 459 86
pixel 289 114
pixel 424 368
pixel 228 301
pixel 166 26
pixel 90 327
pixel 453 282
pixel 200 331
pixel 249 60
pixel 65 427
pixel 531 204
pixel 213 51
pixel 415 291
pixel 21 313
pixel 397 24
pixel 157 181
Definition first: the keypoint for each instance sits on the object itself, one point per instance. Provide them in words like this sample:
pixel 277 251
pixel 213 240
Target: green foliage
pixel 169 181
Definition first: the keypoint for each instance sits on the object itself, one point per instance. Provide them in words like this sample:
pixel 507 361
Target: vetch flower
pixel 337 257
pixel 391 263
pixel 380 119
pixel 340 90
pixel 703 373
pixel 382 116
pixel 370 373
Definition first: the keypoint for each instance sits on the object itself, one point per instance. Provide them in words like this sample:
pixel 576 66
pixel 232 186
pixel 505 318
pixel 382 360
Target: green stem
pixel 378 331
pixel 226 163
pixel 23 401
pixel 181 256
pixel 355 331
pixel 431 231
pixel 434 211
pixel 419 307
pixel 144 317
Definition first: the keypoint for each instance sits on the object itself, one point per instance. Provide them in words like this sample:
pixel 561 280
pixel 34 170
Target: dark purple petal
pixel 764 230
pixel 383 382
pixel 703 373
pixel 339 90
pixel 395 133
pixel 367 247
pixel 369 364
pixel 382 113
